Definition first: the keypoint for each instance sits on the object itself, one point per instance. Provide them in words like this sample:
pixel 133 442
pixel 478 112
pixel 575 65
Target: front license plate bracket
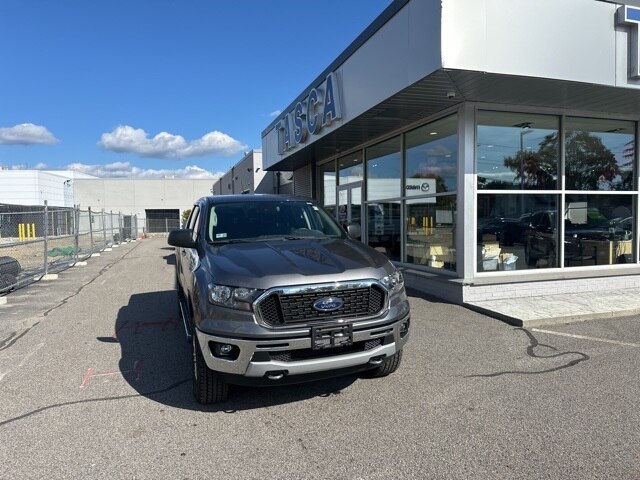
pixel 331 336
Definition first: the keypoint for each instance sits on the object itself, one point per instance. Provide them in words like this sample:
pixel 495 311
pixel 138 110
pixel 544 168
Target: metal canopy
pixel 432 94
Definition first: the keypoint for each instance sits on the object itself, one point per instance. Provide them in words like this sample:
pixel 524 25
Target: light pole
pixel 526 129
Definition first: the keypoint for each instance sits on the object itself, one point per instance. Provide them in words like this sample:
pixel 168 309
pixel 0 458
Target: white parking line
pixel 584 337
pixel 26 357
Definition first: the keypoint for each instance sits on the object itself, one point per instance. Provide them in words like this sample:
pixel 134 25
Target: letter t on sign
pixel 628 15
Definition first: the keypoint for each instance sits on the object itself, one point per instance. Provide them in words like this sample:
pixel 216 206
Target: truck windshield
pixel 266 220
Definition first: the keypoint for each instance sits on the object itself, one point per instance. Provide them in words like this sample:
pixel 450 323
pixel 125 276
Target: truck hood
pixel 267 264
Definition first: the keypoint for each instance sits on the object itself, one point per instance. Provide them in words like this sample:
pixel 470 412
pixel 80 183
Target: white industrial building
pixel 157 203
pixel 249 176
pixel 34 187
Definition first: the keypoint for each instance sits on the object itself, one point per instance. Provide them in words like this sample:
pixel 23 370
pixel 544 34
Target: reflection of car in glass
pixel 622 227
pixel 541 238
pixel 384 227
pixel 593 226
pixel 508 231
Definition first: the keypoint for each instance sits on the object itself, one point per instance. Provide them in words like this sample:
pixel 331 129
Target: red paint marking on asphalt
pixel 137 369
pixel 87 377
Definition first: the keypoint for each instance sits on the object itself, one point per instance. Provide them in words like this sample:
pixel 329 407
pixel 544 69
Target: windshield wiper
pixel 231 240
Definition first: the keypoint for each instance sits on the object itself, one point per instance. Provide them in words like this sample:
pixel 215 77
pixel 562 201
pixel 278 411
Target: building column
pixel 466 201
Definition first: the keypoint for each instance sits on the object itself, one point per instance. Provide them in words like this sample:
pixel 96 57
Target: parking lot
pixel 95 382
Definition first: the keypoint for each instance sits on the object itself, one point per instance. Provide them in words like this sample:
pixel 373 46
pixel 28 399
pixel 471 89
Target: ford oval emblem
pixel 328 304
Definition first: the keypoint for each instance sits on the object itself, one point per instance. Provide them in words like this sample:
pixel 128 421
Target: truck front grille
pixel 281 309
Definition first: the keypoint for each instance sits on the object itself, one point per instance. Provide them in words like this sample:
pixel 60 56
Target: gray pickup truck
pixel 273 291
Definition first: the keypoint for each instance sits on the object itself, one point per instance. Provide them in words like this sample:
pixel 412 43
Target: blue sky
pixel 148 88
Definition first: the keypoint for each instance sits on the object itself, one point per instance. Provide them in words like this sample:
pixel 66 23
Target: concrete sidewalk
pixel 561 308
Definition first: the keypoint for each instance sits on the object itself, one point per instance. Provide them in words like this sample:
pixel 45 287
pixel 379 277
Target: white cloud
pixel 40 166
pixel 166 145
pixel 275 113
pixel 126 170
pixel 26 134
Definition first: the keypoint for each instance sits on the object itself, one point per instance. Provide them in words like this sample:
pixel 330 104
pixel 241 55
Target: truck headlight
pixel 394 282
pixel 232 297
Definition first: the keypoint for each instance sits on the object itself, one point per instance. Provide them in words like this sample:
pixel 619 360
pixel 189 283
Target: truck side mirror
pixel 181 238
pixel 354 230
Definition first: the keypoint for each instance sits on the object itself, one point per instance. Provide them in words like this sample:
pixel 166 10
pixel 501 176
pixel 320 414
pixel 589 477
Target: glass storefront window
pixel 598 229
pixel 517 151
pixel 350 168
pixel 430 234
pixel 432 157
pixel 517 231
pixel 384 168
pixel 599 154
pixel 327 187
pixel 383 220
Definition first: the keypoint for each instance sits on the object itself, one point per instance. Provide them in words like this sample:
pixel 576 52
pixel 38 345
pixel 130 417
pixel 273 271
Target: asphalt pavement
pixel 95 382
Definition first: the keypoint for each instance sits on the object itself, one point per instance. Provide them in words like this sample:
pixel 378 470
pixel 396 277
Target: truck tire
pixel 387 367
pixel 208 387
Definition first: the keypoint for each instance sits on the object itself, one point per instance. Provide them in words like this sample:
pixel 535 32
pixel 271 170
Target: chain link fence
pixel 37 240
pixel 161 225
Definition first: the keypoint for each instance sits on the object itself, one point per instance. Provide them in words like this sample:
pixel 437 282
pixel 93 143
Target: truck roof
pixel 256 197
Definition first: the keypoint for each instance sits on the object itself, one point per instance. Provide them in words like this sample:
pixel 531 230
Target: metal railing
pixel 38 240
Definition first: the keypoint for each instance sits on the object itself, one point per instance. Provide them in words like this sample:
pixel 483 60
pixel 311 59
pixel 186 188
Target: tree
pixel 185 215
pixel 589 164
pixel 536 170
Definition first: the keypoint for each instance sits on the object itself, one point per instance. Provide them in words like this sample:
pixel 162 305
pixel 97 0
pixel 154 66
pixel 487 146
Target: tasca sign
pixel 320 107
pixel 628 15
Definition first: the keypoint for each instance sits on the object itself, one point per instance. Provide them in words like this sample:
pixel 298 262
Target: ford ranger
pixel 273 291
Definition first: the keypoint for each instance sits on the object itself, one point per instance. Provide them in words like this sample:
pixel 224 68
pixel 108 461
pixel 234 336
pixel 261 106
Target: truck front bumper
pixel 275 359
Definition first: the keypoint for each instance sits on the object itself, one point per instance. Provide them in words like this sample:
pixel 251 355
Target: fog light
pixel 404 329
pixel 224 350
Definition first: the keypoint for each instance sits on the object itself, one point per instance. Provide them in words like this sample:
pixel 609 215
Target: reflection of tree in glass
pixel 590 164
pixel 536 170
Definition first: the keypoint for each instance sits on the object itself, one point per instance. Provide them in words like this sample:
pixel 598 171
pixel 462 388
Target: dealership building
pixel 487 146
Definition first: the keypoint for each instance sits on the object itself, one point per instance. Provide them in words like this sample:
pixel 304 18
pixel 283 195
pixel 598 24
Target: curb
pixel 556 320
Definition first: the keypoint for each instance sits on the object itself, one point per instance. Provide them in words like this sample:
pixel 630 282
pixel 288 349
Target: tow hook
pixel 376 360
pixel 276 375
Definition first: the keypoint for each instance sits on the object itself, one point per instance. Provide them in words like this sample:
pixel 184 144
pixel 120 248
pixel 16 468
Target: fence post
pixel 166 225
pixel 104 228
pixel 46 243
pixel 90 229
pixel 76 220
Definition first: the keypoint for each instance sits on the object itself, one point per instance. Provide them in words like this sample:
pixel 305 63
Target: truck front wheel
pixel 208 387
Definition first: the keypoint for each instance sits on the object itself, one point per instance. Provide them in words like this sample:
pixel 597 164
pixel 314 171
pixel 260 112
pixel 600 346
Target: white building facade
pixel 488 146
pixel 249 176
pixel 157 203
